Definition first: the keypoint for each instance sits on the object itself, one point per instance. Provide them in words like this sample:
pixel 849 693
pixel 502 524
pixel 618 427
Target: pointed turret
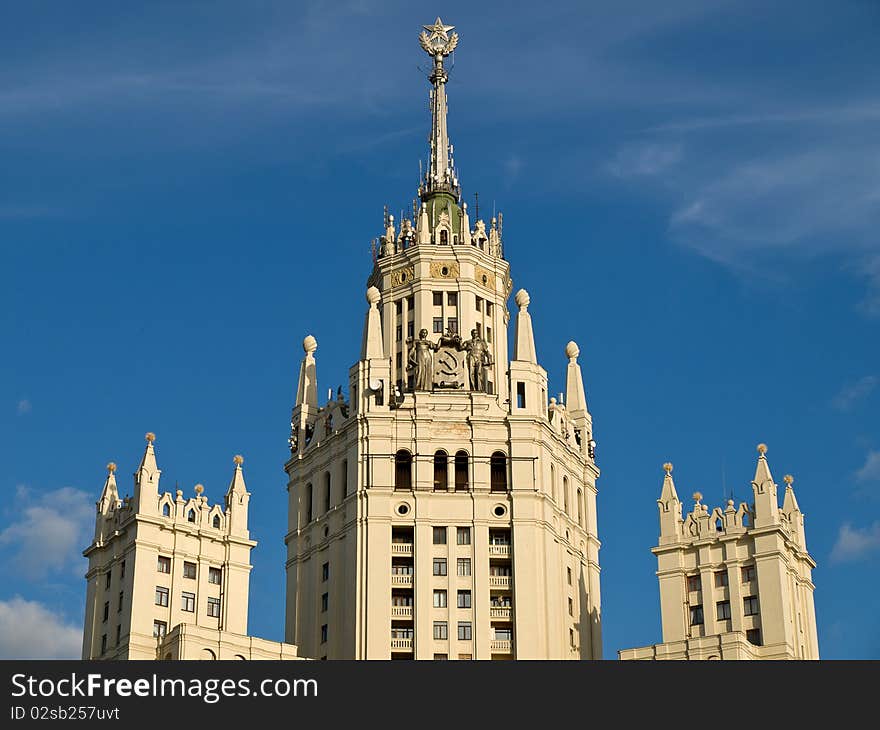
pixel 109 494
pixel 372 347
pixel 575 398
pixel 146 479
pixel 464 235
pixel 524 341
pixel 764 488
pixel 670 508
pixel 307 389
pixel 237 498
pixel 793 512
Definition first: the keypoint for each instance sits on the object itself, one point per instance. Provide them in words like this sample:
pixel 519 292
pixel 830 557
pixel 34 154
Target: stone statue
pixel 478 359
pixel 420 361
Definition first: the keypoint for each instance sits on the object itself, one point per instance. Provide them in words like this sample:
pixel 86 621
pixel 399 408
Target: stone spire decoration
pixel 764 489
pixel 372 347
pixel 438 42
pixel 109 494
pixel 307 389
pixel 146 479
pixel 793 513
pixel 524 342
pixel 237 498
pixel 670 508
pixel 575 398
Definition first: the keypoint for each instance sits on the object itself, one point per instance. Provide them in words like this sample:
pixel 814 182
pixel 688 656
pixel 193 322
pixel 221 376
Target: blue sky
pixel 691 191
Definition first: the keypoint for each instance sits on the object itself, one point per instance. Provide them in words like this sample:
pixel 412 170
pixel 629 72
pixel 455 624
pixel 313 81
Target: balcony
pixel 499 581
pixel 501 646
pixel 403 644
pixel 401 611
pixel 499 551
pixel 402 548
pixel 502 612
pixel 402 579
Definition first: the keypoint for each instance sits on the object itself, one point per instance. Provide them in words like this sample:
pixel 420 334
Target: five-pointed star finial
pixel 439 30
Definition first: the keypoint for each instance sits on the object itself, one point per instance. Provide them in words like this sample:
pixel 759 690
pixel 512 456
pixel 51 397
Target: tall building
pixel 447 509
pixel 735 583
pixel 168 576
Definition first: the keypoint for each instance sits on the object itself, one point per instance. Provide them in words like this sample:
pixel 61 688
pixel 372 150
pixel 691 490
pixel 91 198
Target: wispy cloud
pixel 23 406
pixel 854 393
pixel 48 532
pixel 29 630
pixel 854 543
pixel 870 471
pixel 645 159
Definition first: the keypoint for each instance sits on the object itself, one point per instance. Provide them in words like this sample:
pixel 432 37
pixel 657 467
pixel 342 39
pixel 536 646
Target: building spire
pixel 437 41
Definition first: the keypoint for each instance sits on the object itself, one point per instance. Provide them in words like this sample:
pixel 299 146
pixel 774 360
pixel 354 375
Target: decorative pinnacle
pixel 150 436
pixel 762 449
pixel 788 479
pixel 111 467
pixel 199 488
pixel 697 497
pixel 667 467
pixel 238 460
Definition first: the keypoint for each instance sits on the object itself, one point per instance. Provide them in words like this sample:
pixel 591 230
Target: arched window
pixel 166 510
pixel 444 237
pixel 309 496
pixel 565 495
pixel 498 472
pixel 461 472
pixel 403 470
pixel 216 522
pixel 553 483
pixel 343 480
pixel 326 492
pixel 580 507
pixel 441 472
pixel 191 516
pixel 208 655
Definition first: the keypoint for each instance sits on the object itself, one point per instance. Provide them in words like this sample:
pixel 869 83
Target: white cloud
pixel 853 393
pixel 50 533
pixel 29 630
pixel 870 471
pixel 854 543
pixel 645 160
pixel 23 406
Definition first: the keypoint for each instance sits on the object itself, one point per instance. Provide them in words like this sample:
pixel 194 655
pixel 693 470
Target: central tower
pixel 446 509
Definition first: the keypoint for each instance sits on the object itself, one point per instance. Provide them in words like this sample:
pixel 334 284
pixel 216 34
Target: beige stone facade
pixel 735 583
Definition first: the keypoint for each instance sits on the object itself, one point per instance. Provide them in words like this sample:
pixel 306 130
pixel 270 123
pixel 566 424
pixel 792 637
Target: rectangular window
pixel 410 329
pixel 160 628
pixel 164 564
pixel 520 394
pixel 161 596
pixel 106 610
pixel 439 599
pixel 464 599
pixel 410 304
pixel 441 657
pixel 440 630
pixel 398 307
pixel 723 612
pixel 452 299
pixel 748 573
pixel 505 634
pixel 118 634
pixel 104 643
pixel 721 579
pixel 439 566
pixel 489 308
pixel 215 575
pixel 696 615
pixel 463 566
pixel 324 634
pixel 489 335
pixel 325 572
pixel 401 569
pixel 570 607
pixel 463 535
pixel 750 605
pixel 188 602
pixel 571 637
pixel 439 535
pixel 479 329
pixel 452 325
pixel 398 361
pixel 693 583
pixel 325 602
pixel 122 570
pixel 464 631
pixel 568 575
pixel 465 656
pixel 214 607
pixel 438 325
pixel 121 599
pixel 479 304
pixel 398 334
pixel 753 636
pixel 438 298
pixel 107 576
pixel 189 570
